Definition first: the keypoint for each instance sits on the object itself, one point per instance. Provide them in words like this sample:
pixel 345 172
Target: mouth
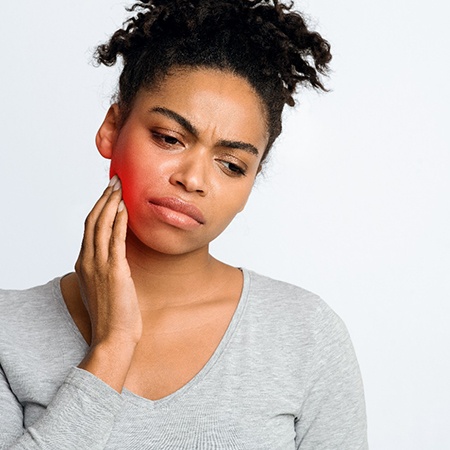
pixel 177 212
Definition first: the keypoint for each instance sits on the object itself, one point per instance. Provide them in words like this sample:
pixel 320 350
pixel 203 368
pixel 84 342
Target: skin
pixel 147 296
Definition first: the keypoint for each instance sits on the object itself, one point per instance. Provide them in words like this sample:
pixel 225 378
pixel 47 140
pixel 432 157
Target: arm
pixel 10 412
pixel 80 416
pixel 82 413
pixel 333 414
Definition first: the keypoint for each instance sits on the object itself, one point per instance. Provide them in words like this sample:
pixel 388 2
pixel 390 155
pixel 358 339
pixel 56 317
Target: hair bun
pixel 265 41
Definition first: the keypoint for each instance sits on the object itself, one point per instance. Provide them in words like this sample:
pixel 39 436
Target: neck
pixel 163 280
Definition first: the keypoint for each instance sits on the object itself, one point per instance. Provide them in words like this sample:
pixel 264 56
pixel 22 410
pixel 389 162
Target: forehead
pixel 218 103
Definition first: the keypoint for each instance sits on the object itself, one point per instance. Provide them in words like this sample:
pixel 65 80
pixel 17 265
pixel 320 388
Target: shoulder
pixel 289 310
pixel 23 308
pixel 35 333
pixel 305 341
pixel 292 304
pixel 15 300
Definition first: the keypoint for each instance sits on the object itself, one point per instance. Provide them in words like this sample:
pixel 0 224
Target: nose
pixel 191 171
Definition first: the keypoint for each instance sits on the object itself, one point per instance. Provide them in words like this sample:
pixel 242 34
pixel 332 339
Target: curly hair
pixel 264 41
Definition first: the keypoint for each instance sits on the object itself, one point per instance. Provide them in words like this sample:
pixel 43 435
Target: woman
pixel 151 342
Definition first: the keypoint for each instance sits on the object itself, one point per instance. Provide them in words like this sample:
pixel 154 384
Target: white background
pixel 354 204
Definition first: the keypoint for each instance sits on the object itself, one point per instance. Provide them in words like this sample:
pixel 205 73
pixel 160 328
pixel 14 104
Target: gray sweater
pixel 283 377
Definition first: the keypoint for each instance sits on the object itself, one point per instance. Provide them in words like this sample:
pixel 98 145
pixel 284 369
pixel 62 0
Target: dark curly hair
pixel 264 41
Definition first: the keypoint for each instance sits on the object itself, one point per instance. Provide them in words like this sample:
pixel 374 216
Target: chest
pixel 165 362
pixel 207 416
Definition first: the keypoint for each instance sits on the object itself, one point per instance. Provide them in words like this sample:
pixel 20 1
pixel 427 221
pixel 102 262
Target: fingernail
pixel 117 185
pixel 121 206
pixel 113 180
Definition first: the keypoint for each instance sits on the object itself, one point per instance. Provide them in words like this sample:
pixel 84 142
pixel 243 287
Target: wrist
pixel 110 361
pixel 113 343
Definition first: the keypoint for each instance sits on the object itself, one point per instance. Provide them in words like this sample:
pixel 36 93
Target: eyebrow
pixel 175 116
pixel 240 145
pixel 194 131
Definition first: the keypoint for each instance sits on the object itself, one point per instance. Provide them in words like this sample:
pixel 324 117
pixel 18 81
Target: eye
pixel 165 140
pixel 233 169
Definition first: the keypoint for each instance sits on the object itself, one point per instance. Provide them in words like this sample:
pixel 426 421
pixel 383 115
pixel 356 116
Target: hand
pixel 106 286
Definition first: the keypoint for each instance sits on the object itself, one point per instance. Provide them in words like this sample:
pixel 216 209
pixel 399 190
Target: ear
pixel 107 133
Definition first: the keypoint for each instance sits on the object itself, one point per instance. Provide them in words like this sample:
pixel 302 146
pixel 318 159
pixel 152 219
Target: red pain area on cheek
pixel 139 184
pixel 130 186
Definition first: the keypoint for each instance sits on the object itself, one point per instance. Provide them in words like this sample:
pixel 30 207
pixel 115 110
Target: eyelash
pixel 231 168
pixel 162 138
pixel 236 170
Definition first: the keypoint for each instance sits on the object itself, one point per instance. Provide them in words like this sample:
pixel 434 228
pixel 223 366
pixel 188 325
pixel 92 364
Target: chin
pixel 171 242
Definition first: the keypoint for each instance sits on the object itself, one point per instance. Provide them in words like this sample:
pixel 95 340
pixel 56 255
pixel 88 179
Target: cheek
pixel 140 177
pixel 135 180
pixel 234 202
pixel 241 206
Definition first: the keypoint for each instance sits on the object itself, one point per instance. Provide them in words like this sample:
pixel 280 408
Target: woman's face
pixel 187 156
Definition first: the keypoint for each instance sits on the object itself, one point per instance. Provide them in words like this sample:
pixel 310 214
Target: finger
pixel 87 245
pixel 104 226
pixel 117 249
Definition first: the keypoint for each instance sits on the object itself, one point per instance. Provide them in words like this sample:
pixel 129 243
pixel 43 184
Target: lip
pixel 177 212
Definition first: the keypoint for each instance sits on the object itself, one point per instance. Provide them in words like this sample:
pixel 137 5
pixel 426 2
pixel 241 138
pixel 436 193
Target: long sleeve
pixel 80 416
pixel 333 415
pixel 11 413
pixel 284 371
